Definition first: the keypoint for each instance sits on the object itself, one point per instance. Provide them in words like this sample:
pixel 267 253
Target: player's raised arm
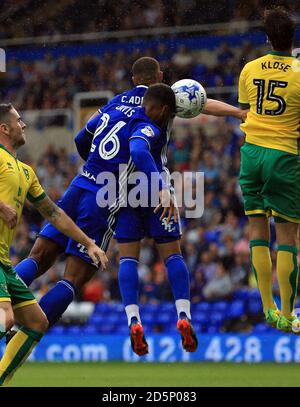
pixel 217 108
pixel 58 218
pixel 84 138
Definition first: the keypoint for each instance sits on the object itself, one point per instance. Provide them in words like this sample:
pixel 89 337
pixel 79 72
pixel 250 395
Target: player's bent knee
pixel 44 252
pixel 40 325
pixel 6 316
pixel 9 322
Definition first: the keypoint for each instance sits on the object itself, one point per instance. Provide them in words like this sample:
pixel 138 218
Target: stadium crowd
pixel 52 83
pixel 215 246
pixel 74 16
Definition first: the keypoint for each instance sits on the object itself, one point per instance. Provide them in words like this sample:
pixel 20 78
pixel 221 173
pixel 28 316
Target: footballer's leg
pixel 287 272
pixel 253 175
pixel 77 273
pixel 79 266
pixel 167 238
pixel 129 288
pixel 129 232
pixel 50 243
pixel 33 325
pixel 261 264
pixel 42 256
pixel 178 275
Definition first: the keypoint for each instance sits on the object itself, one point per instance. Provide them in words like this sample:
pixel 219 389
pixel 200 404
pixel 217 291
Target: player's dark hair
pixel 161 94
pixel 5 109
pixel 280 28
pixel 146 70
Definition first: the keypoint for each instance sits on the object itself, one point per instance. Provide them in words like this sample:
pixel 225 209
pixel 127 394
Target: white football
pixel 190 98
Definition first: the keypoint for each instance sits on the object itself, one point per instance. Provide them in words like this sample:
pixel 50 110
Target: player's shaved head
pixel 5 110
pixel 146 71
pixel 280 28
pixel 160 104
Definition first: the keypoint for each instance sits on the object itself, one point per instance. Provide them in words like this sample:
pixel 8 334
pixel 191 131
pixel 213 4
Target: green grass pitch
pixel 113 374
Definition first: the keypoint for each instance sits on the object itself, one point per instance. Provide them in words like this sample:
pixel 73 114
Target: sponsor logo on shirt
pixel 148 131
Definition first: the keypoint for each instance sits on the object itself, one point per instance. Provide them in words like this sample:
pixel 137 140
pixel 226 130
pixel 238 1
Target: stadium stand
pixel 216 245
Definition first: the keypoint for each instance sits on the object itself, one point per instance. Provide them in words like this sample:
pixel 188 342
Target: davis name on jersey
pixel 112 130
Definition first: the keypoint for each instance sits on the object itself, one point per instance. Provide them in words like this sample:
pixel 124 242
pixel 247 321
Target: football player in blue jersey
pixel 132 225
pixel 136 223
pixel 123 135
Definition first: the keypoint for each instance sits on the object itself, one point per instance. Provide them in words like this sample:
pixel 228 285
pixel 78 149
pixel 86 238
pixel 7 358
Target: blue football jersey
pixel 112 130
pixel 132 97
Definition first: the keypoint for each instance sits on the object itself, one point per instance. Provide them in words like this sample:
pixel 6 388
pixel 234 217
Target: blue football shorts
pixel 98 223
pixel 133 224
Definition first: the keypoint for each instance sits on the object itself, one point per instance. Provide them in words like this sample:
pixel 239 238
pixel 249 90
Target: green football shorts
pixel 270 182
pixel 13 289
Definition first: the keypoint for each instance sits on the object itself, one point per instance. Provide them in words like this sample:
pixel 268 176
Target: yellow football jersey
pixel 17 182
pixel 271 86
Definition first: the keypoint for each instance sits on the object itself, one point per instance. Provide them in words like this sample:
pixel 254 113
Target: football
pixel 190 98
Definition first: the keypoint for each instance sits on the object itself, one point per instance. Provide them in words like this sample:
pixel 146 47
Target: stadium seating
pixel 210 317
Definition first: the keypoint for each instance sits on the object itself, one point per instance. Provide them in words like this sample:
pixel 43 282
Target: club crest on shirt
pixel 148 131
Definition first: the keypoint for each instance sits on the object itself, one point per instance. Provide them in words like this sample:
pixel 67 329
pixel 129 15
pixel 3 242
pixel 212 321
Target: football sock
pixel 287 272
pixel 27 270
pixel 57 300
pixel 180 283
pixel 133 314
pixel 129 286
pixel 261 265
pixel 17 351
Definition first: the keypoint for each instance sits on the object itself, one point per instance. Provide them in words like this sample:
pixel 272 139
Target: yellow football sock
pixel 17 351
pixel 287 273
pixel 261 264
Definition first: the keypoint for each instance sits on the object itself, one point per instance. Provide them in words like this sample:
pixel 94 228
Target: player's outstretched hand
pixel 243 114
pixel 9 215
pixel 97 255
pixel 167 203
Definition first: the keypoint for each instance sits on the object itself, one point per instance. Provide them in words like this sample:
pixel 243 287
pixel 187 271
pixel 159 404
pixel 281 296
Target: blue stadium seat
pixel 254 294
pixel 202 306
pixel 148 318
pixel 241 294
pixel 122 329
pixel 117 308
pixel 107 328
pixel 150 307
pixel 216 319
pixel 57 330
pixel 167 307
pixel 261 328
pixel 254 307
pixel 212 329
pixel 197 328
pixel 75 330
pixel 200 318
pixel 89 329
pixel 236 309
pixel 96 319
pixel 164 318
pixel 220 306
pixel 101 308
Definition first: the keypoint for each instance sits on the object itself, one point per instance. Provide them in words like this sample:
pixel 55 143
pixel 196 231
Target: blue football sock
pixel 178 276
pixel 129 280
pixel 57 300
pixel 27 270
